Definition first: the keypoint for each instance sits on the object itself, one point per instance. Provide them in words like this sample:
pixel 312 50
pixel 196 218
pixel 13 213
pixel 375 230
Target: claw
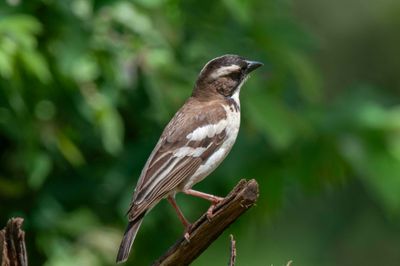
pixel 186 234
pixel 216 200
pixel 210 214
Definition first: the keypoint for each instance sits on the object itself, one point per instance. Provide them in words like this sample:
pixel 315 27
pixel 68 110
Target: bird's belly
pixel 219 155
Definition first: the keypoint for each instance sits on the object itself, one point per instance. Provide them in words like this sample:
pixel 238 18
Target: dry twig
pixel 204 231
pixel 12 244
pixel 232 258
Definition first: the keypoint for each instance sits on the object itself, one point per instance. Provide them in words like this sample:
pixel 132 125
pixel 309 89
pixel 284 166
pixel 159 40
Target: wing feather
pixel 165 169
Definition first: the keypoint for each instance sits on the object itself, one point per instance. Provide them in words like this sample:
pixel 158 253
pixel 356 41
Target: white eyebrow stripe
pixel 225 70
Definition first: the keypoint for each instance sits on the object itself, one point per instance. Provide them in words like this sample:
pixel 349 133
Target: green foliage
pixel 87 86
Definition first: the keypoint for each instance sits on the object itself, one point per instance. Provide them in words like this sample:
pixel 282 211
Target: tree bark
pixel 203 232
pixel 12 244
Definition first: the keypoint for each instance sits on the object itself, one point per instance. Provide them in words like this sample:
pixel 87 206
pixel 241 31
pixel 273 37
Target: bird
pixel 196 140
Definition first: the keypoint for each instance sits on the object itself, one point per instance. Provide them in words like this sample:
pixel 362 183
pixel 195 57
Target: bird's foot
pixel 186 233
pixel 186 236
pixel 216 200
pixel 210 210
pixel 210 214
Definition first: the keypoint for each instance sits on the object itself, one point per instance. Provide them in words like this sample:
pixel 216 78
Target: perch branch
pixel 12 244
pixel 203 232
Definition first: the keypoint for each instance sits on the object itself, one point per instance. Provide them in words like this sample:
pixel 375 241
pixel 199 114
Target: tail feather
pixel 127 240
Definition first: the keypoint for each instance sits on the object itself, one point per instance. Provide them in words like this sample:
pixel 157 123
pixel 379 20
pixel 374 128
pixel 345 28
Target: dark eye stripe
pixel 235 75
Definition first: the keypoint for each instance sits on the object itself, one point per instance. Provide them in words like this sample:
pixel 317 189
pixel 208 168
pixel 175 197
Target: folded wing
pixel 191 137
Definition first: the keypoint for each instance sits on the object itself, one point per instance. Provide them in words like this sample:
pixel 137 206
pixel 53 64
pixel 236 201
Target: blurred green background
pixel 87 86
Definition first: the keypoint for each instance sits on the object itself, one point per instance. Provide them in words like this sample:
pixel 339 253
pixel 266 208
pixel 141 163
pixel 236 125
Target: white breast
pixel 232 129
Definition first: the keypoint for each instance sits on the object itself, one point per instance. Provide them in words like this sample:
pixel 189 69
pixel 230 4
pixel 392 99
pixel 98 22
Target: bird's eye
pixel 234 75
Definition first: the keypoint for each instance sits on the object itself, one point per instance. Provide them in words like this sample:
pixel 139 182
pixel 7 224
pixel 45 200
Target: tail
pixel 127 240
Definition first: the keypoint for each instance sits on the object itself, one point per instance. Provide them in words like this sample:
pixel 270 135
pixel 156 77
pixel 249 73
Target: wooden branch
pixel 232 259
pixel 204 231
pixel 12 244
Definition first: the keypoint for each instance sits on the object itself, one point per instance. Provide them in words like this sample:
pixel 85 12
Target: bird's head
pixel 223 75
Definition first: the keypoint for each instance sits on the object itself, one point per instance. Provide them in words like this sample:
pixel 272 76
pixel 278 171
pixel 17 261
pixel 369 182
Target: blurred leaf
pixel 85 69
pixel 379 169
pixel 48 213
pixel 70 151
pixel 36 64
pixel 103 240
pixel 40 169
pixel 11 188
pixel 306 76
pixel 82 8
pixel 21 27
pixel 112 130
pixel 279 124
pixel 393 144
pixel 128 15
pixel 77 222
pixel 151 3
pixel 104 115
pixel 240 9
pixel 45 110
pixel 17 34
pixel 63 253
pixel 372 115
pixel 5 65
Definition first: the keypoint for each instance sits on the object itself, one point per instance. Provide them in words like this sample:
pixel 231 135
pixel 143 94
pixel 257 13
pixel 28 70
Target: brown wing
pixel 165 170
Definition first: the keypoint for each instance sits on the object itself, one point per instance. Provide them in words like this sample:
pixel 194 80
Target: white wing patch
pixel 225 70
pixel 232 127
pixel 207 131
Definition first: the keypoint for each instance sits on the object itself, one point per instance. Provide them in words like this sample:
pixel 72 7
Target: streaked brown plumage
pixel 194 142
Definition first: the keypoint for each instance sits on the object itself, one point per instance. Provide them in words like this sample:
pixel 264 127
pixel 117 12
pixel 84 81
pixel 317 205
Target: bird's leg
pixel 209 197
pixel 181 217
pixel 214 200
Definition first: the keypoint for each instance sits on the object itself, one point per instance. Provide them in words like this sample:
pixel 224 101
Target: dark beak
pixel 252 65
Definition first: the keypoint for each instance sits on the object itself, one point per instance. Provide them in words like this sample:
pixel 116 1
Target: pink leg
pixel 209 197
pixel 181 217
pixel 214 200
